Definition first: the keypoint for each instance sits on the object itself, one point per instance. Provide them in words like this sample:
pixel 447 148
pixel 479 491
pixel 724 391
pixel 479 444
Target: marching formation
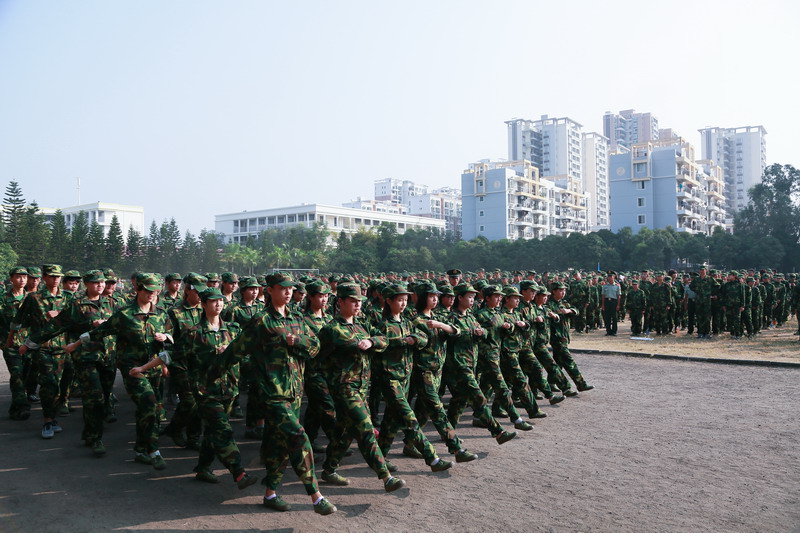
pixel 350 344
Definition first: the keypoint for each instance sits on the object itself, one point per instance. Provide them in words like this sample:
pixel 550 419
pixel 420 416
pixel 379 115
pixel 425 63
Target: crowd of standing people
pixel 373 354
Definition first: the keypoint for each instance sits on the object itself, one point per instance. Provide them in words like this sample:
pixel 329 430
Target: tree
pixel 8 258
pixel 78 242
pixel 95 247
pixel 210 250
pixel 34 236
pixel 13 209
pixel 153 249
pixel 134 248
pixel 58 250
pixel 115 245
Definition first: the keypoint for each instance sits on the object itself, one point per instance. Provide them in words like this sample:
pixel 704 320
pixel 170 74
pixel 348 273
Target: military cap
pixel 147 281
pixel 733 273
pixel 779 275
pixel 447 290
pixel 306 278
pixel 262 280
pixel 792 276
pixel 18 270
pixel 229 277
pixel 279 278
pixel 248 282
pixel 299 286
pixel 557 285
pixel 488 290
pixel 713 271
pixel 212 276
pixel 526 284
pixel 463 288
pixel 453 272
pixel 34 272
pixel 749 279
pixel 72 274
pixel 333 278
pixel 426 287
pixel 195 281
pixel 480 284
pixel 317 286
pixel 52 270
pixel 211 293
pixel 510 290
pixel 636 281
pixel 93 276
pixel 111 277
pixel 349 290
pixel 542 290
pixel 394 289
pixel 173 276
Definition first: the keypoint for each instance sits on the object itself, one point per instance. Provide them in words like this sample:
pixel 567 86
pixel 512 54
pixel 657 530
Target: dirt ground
pixel 780 344
pixel 658 446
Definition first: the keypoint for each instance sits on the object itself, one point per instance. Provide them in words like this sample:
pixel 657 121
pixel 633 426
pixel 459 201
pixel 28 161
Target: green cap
pixel 94 276
pixel 174 276
pixel 280 278
pixel 52 270
pixel 453 272
pixel 110 275
pixel 299 286
pixel 18 270
pixel 463 288
pixel 526 284
pixel 262 280
pixel 317 286
pixel 72 274
pixel 510 290
pixel 195 281
pixel 229 277
pixel 488 290
pixel 542 290
pixel 148 281
pixel 349 290
pixel 248 282
pixel 447 290
pixel 211 293
pixel 34 272
pixel 394 289
pixel 212 276
pixel 557 285
pixel 426 287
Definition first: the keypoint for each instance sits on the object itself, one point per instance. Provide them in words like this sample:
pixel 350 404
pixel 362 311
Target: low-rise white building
pixel 129 216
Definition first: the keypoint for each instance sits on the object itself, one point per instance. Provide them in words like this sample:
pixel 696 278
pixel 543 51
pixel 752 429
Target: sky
pixel 197 108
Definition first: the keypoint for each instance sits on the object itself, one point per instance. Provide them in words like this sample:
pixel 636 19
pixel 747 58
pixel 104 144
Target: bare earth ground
pixel 778 344
pixel 658 446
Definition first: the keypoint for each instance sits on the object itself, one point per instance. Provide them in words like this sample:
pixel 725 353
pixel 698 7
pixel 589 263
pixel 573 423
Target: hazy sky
pixel 196 108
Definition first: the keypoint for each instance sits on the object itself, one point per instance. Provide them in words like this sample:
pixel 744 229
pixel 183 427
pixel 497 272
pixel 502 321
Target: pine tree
pixel 153 245
pixel 115 245
pixel 133 250
pixel 189 256
pixel 13 210
pixel 34 236
pixel 58 249
pixel 210 250
pixel 78 242
pixel 95 247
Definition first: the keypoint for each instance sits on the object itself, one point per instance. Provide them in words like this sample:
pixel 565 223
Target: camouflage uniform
pixel 186 417
pixel 559 340
pixel 530 364
pixel 636 304
pixel 705 288
pixel 321 409
pixel 732 297
pixel 18 365
pixel 513 339
pixel 491 375
pixel 661 302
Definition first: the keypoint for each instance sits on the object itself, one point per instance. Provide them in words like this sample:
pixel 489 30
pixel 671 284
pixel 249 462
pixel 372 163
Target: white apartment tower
pixel 595 179
pixel 742 154
pixel 397 191
pixel 626 128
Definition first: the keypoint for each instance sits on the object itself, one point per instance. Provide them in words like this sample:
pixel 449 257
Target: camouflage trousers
pixel 746 321
pixel 18 368
pixel 353 421
pixel 555 376
pixel 95 378
pixel 68 379
pixel 733 319
pixel 636 315
pixel 429 404
pixel 218 438
pixel 660 320
pixel 492 379
pixel 464 388
pixel 286 441
pixel 375 394
pixel 321 411
pixel 253 410
pixel 579 321
pixel 399 415
pixel 703 315
pixel 186 415
pixel 563 357
pixel 50 363
pixel 513 374
pixel 142 393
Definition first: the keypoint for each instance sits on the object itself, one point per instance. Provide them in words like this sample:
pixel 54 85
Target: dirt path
pixel 658 446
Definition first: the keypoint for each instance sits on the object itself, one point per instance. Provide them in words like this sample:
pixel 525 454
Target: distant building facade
pixel 129 216
pixel 626 128
pixel 418 200
pixel 742 154
pixel 595 180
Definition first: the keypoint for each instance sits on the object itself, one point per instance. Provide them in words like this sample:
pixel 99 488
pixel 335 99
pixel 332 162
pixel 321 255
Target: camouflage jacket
pixel 32 314
pixel 540 330
pixel 242 314
pixel 203 348
pixel 514 338
pixel 349 365
pixel 316 323
pixel 168 301
pixel 9 305
pixel 432 354
pixel 491 320
pixel 397 360
pixel 732 295
pixel 559 329
pixel 462 347
pixel 78 317
pixel 277 368
pixel 637 300
pixel 661 296
pixel 183 318
pixel 704 288
pixel 135 331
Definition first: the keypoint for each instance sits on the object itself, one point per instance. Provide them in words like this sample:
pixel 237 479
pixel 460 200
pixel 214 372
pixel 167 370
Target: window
pixel 291 218
pixel 281 219
pixel 236 226
pixel 483 228
pixel 311 217
pixel 640 202
pixel 301 218
pixel 480 198
pixel 480 183
pixel 640 185
pixel 480 213
pixel 270 220
pixel 642 219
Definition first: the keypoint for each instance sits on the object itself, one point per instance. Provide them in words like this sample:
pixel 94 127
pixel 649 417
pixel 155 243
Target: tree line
pixel 766 233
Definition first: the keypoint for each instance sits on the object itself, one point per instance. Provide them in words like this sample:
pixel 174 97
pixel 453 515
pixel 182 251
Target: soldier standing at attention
pixel 636 304
pixel 580 296
pixel 172 294
pixel 17 363
pixel 732 295
pixel 559 335
pixel 611 304
pixel 279 343
pixel 704 287
pixel 661 303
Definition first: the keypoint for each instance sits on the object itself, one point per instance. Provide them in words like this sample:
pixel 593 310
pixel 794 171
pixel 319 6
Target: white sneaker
pixel 56 427
pixel 47 430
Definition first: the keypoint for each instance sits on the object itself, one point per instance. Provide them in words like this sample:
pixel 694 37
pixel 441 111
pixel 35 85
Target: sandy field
pixel 659 446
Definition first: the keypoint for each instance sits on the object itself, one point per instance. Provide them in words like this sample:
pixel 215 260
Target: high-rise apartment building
pixel 595 179
pixel 397 191
pixel 553 145
pixel 443 203
pixel 742 154
pixel 626 128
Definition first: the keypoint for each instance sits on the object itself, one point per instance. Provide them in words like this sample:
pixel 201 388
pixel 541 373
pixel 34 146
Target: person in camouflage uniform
pixel 37 309
pixel 490 343
pixel 347 346
pixel 636 305
pixel 18 365
pixel 528 359
pixel 559 335
pixel 396 363
pixel 427 372
pixel 579 291
pixel 278 343
pixel 183 317
pixel 94 366
pixel 460 364
pixel 661 303
pixel 31 370
pixel 732 299
pixel 705 288
pixel 541 320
